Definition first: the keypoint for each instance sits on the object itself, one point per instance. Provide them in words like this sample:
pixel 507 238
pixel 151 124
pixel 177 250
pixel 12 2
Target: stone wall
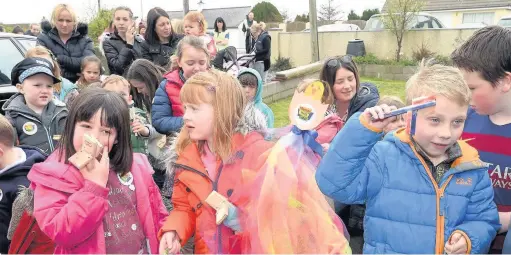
pixel 387 72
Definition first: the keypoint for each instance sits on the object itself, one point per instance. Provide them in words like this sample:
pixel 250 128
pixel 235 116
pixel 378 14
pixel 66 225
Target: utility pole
pixel 141 11
pixel 186 6
pixel 99 6
pixel 313 19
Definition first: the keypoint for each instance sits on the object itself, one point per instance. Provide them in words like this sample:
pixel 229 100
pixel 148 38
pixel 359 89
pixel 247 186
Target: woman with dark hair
pixel 160 40
pixel 221 36
pixel 18 30
pixel 123 46
pixel 67 39
pixel 351 96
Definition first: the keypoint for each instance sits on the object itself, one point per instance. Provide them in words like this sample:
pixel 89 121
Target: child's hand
pixel 170 243
pixel 139 128
pixel 456 245
pixel 98 171
pixel 375 116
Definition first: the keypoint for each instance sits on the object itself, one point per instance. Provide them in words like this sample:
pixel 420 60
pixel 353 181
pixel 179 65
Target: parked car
pixel 505 21
pixel 420 20
pixel 12 51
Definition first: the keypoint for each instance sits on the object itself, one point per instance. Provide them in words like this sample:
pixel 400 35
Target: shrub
pixel 98 24
pixel 422 52
pixel 371 59
pixel 282 64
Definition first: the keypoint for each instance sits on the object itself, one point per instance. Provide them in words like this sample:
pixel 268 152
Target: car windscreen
pixel 10 56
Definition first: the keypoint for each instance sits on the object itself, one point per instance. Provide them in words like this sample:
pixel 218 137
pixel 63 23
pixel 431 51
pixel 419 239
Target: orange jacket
pixel 191 215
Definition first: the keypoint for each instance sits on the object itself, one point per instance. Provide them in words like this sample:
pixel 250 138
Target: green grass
pixel 385 87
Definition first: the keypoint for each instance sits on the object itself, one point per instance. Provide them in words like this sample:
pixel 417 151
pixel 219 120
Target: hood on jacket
pixel 258 98
pixel 253 120
pixel 468 161
pixel 81 28
pixel 34 156
pixel 367 96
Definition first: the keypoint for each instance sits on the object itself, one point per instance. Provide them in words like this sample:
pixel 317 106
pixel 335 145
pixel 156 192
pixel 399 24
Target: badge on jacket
pixel 1 194
pixel 30 128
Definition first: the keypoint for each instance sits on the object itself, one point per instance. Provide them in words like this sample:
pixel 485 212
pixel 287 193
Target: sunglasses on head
pixel 336 62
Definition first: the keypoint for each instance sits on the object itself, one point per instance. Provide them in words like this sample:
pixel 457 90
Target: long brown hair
pixel 226 96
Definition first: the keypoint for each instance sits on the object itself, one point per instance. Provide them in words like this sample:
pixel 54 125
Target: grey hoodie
pixel 42 131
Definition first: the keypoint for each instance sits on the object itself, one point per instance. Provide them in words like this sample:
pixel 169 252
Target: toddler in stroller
pixel 227 60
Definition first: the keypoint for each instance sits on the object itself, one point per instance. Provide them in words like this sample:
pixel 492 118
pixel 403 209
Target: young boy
pixel 253 86
pixel 485 61
pixel 38 118
pixel 398 122
pixel 425 192
pixel 141 130
pixel 15 162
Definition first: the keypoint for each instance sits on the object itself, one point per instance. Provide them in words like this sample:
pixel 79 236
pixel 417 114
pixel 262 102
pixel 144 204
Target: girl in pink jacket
pixel 111 205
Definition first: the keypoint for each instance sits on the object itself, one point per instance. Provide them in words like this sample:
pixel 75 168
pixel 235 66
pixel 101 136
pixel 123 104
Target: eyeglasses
pixel 336 62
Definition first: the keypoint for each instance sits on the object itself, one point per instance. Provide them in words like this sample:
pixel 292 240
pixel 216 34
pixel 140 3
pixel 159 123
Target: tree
pixel 285 15
pixel 353 16
pixel 302 18
pixel 366 15
pixel 99 22
pixel 266 12
pixel 329 12
pixel 186 6
pixel 400 14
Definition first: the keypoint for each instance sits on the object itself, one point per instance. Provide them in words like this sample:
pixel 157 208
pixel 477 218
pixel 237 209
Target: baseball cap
pixel 32 66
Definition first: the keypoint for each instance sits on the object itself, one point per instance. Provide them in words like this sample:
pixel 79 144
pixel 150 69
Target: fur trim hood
pixel 253 120
pixel 81 28
pixel 24 202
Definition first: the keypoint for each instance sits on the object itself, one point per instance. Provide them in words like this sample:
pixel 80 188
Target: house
pixel 462 13
pixel 233 16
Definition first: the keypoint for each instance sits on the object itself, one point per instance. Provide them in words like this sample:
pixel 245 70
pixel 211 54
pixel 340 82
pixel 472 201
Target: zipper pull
pixel 442 205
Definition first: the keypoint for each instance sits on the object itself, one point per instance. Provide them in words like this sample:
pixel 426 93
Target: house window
pixel 480 17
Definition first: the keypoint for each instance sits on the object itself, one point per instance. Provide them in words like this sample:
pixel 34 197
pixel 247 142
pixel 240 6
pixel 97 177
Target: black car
pixel 12 51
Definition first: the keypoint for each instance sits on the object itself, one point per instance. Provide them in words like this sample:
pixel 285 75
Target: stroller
pixel 227 60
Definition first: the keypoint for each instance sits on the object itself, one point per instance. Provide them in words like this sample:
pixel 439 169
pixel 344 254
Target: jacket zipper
pixel 439 242
pixel 215 188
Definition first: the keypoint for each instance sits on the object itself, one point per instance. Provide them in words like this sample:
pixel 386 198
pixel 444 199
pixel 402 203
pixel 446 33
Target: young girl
pixel 399 122
pixel 91 72
pixel 195 24
pixel 112 204
pixel 213 148
pixel 167 110
pixel 144 77
pixel 65 90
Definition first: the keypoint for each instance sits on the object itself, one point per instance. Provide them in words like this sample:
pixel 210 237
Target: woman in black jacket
pixel 262 49
pixel 160 40
pixel 67 40
pixel 123 46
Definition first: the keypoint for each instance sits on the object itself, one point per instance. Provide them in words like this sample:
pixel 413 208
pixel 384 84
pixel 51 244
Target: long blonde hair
pixel 226 95
pixel 177 25
pixel 40 51
pixel 60 8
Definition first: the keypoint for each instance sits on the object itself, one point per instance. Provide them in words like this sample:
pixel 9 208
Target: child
pixel 425 191
pixel 253 86
pixel 141 130
pixel 64 91
pixel 110 205
pixel 216 144
pixel 144 77
pixel 167 111
pixel 90 72
pixel 195 24
pixel 398 122
pixel 15 162
pixel 38 119
pixel 488 125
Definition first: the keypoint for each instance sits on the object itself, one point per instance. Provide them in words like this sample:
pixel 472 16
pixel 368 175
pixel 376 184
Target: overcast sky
pixel 27 11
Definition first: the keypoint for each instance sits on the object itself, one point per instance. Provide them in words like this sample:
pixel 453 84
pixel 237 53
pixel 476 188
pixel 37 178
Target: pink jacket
pixel 70 209
pixel 327 129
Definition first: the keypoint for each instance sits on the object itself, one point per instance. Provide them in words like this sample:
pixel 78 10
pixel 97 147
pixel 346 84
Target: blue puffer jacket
pixel 406 210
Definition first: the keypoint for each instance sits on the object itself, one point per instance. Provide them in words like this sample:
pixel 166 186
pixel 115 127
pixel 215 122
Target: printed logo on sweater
pixel 30 128
pixel 1 194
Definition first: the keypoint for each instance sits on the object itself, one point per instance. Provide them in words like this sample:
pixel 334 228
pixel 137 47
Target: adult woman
pixel 262 48
pixel 221 36
pixel 160 40
pixel 123 46
pixel 351 96
pixel 245 29
pixel 67 40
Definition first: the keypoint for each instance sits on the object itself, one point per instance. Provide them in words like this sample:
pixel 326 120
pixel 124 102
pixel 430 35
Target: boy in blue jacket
pixel 425 191
pixel 253 86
